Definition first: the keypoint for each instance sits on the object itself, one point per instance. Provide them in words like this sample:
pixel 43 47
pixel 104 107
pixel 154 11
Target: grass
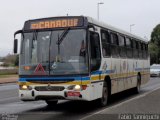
pixel 8 76
pixel 8 72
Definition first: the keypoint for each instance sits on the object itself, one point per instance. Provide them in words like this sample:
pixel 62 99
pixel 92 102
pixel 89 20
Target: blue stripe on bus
pixel 96 72
pixel 113 71
pixel 140 69
pixel 55 79
pixel 100 72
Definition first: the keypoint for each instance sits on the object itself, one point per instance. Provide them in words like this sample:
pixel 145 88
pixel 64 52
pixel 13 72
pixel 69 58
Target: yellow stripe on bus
pixel 68 83
pixel 119 76
pixel 93 78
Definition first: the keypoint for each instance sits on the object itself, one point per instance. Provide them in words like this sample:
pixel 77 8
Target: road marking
pixel 117 105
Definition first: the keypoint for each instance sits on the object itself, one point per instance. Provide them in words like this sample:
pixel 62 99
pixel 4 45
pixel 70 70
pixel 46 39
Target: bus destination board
pixel 54 23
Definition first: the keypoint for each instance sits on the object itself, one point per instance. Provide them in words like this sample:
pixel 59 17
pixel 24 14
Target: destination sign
pixel 54 23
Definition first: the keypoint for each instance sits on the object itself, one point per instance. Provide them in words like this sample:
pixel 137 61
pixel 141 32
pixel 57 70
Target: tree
pixel 155 35
pixel 9 60
pixel 154 45
pixel 153 48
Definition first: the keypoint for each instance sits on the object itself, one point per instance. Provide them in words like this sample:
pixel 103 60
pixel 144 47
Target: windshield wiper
pixel 63 35
pixel 60 39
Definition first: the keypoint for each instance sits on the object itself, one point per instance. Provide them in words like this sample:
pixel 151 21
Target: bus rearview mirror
pixel 15 46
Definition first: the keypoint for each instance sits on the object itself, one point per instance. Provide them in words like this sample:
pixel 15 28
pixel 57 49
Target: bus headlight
pixel 74 87
pixel 77 87
pixel 25 87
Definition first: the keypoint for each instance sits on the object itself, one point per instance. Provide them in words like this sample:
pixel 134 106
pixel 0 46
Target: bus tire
pixel 51 102
pixel 138 87
pixel 104 99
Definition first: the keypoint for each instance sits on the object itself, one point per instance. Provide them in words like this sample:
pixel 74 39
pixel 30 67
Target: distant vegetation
pixel 10 60
pixel 9 71
pixel 154 45
pixel 10 65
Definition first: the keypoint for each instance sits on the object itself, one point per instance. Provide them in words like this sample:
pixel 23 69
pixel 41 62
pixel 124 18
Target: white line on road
pixel 117 105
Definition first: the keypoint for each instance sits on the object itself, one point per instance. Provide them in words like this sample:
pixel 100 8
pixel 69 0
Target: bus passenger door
pixel 95 62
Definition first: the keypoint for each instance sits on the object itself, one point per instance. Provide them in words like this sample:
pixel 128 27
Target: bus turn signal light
pixel 27 67
pixel 84 87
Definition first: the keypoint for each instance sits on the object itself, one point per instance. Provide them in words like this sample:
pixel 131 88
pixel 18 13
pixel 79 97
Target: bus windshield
pixel 68 57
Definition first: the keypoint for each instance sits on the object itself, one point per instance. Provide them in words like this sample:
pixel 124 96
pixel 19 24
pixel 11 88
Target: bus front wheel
pixel 104 99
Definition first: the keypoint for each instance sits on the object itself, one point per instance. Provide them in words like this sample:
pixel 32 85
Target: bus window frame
pixel 129 48
pixel 116 55
pixel 123 48
pixel 89 52
pixel 107 44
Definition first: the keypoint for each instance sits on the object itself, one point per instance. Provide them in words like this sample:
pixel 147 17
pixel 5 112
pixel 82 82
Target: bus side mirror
pixel 15 46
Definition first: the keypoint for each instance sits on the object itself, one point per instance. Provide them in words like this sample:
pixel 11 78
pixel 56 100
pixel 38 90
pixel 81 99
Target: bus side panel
pixel 96 90
pixel 115 66
pixel 146 72
pixel 97 79
pixel 122 74
pixel 136 66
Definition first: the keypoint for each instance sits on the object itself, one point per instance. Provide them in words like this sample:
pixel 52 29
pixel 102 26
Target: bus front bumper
pixel 34 94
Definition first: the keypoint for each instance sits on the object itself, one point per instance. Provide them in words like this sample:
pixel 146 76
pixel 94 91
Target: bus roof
pixel 80 23
pixel 109 27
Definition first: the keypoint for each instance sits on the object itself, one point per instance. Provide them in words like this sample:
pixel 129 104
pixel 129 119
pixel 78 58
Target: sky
pixel 144 14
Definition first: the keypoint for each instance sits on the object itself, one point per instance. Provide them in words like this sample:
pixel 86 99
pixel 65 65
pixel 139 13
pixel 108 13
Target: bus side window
pixel 95 51
pixel 129 47
pixel 135 49
pixel 122 46
pixel 114 45
pixel 146 49
pixel 140 50
pixel 143 50
pixel 105 36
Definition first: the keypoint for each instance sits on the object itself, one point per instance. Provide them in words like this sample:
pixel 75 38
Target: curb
pixel 8 80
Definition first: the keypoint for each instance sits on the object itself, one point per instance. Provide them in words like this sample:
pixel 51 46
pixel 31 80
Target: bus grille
pixel 46 81
pixel 49 88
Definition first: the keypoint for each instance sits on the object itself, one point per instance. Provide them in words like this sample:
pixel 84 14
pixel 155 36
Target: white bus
pixel 78 58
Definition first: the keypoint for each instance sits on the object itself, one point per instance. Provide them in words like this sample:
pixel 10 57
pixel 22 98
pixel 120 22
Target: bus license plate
pixel 73 93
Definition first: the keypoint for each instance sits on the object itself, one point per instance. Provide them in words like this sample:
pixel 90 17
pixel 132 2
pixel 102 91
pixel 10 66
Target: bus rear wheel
pixel 104 99
pixel 51 102
pixel 138 87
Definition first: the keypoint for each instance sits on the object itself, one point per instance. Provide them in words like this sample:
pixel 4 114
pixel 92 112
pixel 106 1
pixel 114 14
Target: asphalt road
pixel 124 102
